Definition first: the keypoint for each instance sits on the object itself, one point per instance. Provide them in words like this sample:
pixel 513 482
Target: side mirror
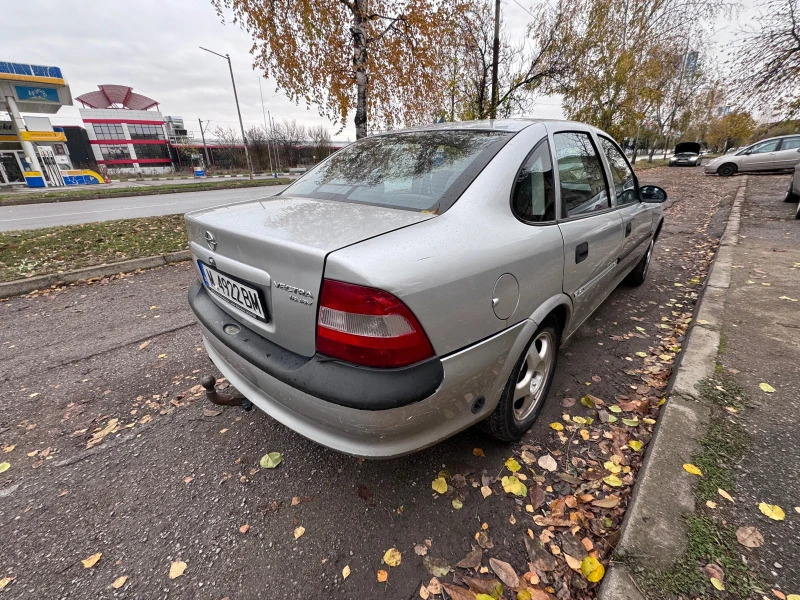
pixel 652 193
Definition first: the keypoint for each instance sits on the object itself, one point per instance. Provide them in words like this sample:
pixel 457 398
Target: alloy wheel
pixel 533 375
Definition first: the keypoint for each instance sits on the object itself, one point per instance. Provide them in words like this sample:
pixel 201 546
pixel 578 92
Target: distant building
pixel 126 131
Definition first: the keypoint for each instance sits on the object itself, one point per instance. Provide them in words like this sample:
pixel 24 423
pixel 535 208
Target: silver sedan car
pixel 419 282
pixel 774 154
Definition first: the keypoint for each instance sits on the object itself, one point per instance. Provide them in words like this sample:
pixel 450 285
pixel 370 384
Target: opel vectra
pixel 418 282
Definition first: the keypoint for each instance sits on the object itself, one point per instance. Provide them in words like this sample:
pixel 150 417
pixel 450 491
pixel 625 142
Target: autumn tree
pixel 766 63
pixel 730 130
pixel 382 58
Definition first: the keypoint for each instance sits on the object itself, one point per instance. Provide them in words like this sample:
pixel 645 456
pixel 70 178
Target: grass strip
pixel 99 191
pixel 34 252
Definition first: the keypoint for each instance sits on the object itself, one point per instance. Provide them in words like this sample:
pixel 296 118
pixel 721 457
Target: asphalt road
pixel 176 482
pixel 35 216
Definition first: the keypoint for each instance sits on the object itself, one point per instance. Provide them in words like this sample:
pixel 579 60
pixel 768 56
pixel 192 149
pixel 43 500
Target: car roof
pixel 511 125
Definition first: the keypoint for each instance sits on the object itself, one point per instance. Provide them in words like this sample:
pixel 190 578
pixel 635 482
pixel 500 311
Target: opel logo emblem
pixel 211 240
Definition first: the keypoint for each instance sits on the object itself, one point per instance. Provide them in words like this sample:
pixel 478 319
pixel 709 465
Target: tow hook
pixel 231 398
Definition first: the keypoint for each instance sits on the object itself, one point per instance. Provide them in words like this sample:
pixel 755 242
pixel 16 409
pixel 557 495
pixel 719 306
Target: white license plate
pixel 241 296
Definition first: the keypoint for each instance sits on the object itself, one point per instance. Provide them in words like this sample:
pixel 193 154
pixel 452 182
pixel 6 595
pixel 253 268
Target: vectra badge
pixel 211 240
pixel 296 294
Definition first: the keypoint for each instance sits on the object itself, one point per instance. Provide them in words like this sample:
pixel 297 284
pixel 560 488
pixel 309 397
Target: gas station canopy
pixel 34 88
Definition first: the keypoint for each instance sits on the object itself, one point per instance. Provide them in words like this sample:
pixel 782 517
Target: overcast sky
pixel 153 46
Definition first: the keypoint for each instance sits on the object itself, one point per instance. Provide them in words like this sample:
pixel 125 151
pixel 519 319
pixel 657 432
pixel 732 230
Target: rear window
pixel 421 170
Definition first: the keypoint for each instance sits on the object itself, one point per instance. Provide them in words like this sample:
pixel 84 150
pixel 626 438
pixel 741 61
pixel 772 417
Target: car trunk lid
pixel 278 246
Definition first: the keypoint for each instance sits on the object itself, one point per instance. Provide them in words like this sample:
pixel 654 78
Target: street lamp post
pixel 236 97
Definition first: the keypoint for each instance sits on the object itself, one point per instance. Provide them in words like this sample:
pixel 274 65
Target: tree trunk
pixel 633 156
pixel 360 66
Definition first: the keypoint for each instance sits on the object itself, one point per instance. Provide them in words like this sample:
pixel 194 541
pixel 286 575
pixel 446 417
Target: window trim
pixel 556 197
pixel 608 168
pixel 562 213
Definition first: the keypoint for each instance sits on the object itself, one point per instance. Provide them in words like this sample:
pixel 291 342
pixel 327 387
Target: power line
pixel 523 8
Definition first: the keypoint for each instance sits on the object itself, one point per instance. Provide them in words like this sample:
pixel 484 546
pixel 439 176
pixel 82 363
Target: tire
pixel 797 212
pixel 790 197
pixel 639 273
pixel 727 170
pixel 516 411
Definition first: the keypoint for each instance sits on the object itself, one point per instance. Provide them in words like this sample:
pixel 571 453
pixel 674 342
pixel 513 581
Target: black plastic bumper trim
pixel 345 384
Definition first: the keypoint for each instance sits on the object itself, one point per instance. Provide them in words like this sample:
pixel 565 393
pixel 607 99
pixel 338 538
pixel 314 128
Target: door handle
pixel 581 252
pixel 627 229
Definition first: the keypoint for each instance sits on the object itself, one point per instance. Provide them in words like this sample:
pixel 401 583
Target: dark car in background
pixel 687 154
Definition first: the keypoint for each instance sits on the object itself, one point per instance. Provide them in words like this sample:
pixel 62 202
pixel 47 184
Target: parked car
pixel 793 193
pixel 774 154
pixel 687 154
pixel 418 282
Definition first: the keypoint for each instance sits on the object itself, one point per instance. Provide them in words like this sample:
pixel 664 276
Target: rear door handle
pixel 581 252
pixel 627 229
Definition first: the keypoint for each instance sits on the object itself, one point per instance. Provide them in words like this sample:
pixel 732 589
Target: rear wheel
pixel 639 273
pixel 727 170
pixel 527 387
pixel 790 196
pixel 797 212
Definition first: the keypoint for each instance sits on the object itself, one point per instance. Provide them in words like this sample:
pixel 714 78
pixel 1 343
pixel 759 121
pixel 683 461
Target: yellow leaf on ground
pixel 635 445
pixel 717 583
pixel 486 491
pixel 615 409
pixel 478 452
pixel 346 572
pixel 765 387
pixel 119 582
pixel 557 426
pixel 512 485
pixel 392 557
pixel 4 466
pixel 457 504
pixel 613 481
pixel 690 468
pixel 439 485
pixel 299 531
pixel 584 434
pixel 162 356
pixel 176 569
pixel 711 504
pixel 270 460
pixel 789 597
pixel 512 465
pixel 641 354
pixel 592 569
pixel 5 581
pixel 725 495
pixel 382 576
pixel 773 511
pixel 88 563
pixel 613 467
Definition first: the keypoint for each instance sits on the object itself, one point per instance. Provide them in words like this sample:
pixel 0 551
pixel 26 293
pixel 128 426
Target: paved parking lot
pixel 175 481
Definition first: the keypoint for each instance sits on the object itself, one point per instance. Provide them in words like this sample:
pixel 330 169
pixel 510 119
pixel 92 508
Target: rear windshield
pixel 421 170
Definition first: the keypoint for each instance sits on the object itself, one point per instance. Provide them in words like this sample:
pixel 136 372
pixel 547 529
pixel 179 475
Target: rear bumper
pixel 380 430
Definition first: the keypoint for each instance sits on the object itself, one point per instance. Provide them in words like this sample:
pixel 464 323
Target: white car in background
pixel 773 154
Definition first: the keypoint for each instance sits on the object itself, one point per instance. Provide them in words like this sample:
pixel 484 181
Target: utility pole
pixel 266 131
pixel 495 59
pixel 274 141
pixel 205 148
pixel 238 110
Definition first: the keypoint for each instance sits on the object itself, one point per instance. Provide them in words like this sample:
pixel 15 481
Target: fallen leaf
pixel 176 569
pixel 210 412
pixel 765 387
pixel 773 511
pixel 607 502
pixel 641 354
pixel 613 481
pixel 725 495
pixel 439 485
pixel 635 445
pixel 5 581
pixel 690 468
pixel 382 576
pixel 119 582
pixel 88 563
pixel 749 537
pixel 539 557
pixel 471 560
pixel 457 593
pixel 457 504
pixel 592 569
pixel 346 572
pixel 512 485
pixel 505 572
pixel 486 491
pixel 434 587
pixel 573 563
pixel 188 479
pixel 484 541
pixel 436 566
pixel 162 356
pixel 711 504
pixel 244 528
pixel 299 531
pixel 548 463
pixel 4 466
pixel 144 345
pixel 392 557
pixel 420 549
pixel 478 452
pixel 717 583
pixel 631 422
pixel 270 460
pixel 557 426
pixel 512 465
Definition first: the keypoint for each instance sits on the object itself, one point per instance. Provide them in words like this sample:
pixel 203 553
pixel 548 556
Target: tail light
pixel 368 327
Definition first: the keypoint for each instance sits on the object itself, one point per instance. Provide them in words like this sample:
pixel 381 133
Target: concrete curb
pixel 654 527
pixel 24 286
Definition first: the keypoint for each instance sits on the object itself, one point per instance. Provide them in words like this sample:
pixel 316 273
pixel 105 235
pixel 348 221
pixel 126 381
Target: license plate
pixel 247 299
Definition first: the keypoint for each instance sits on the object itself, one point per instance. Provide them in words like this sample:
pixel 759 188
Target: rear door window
pixel 621 173
pixel 790 143
pixel 533 197
pixel 420 170
pixel 582 179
